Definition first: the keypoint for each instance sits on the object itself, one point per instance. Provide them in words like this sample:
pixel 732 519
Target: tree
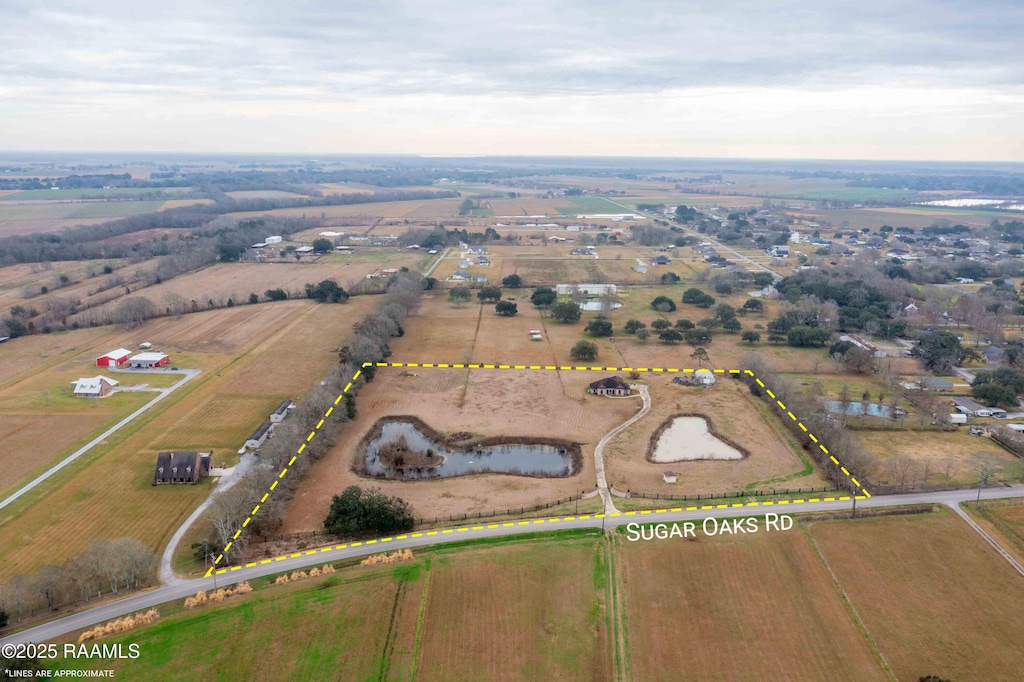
pixel 682 324
pixel 428 283
pixel 133 312
pixel 751 336
pixel 254 298
pixel 322 246
pixel 660 324
pixel 763 279
pixel 506 308
pixel 326 290
pixel 939 351
pixel 732 325
pixel 584 351
pixel 699 354
pixel 643 334
pixel 695 296
pixel 803 336
pixel 358 512
pixel 489 294
pixel 994 394
pixel 669 278
pixel 566 312
pixel 670 336
pixel 276 294
pixel 633 325
pixel 663 304
pixel 512 282
pixel 543 296
pixel 696 337
pixel 754 304
pixel 600 327
pixel 458 295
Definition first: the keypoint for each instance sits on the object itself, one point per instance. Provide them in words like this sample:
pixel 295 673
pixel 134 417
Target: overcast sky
pixel 872 79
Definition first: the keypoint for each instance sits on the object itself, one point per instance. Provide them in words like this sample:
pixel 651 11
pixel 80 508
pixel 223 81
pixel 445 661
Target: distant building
pixel 669 477
pixel 114 358
pixel 93 387
pixel 461 276
pixel 260 436
pixel 609 386
pixel 272 240
pixel 781 251
pixel 993 355
pixel 974 409
pixel 148 360
pixel 585 289
pixel 186 466
pixel 661 260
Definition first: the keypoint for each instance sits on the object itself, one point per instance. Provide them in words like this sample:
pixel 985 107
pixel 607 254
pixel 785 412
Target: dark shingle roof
pixel 610 383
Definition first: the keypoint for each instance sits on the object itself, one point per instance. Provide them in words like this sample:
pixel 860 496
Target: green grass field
pixel 852 194
pixel 592 204
pixel 58 194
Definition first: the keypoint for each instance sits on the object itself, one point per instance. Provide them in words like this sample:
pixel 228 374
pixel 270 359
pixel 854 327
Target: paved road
pixel 437 262
pixel 302 560
pixel 164 392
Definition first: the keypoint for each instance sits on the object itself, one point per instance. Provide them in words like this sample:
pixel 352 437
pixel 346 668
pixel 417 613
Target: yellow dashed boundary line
pixel 564 368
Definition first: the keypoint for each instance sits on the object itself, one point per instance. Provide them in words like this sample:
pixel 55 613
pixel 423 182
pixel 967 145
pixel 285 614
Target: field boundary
pixel 864 494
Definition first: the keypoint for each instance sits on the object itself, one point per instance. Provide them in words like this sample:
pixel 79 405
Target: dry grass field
pixel 107 493
pixel 518 612
pixel 963 453
pixel 416 209
pixel 755 607
pixel 733 413
pixel 935 598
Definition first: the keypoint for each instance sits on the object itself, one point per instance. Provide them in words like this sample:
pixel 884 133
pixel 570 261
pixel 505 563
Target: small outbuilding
pixel 669 477
pixel 182 466
pixel 610 386
pixel 260 435
pixel 114 358
pixel 281 411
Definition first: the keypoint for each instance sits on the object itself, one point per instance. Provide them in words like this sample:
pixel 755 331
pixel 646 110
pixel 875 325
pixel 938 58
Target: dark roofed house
pixel 260 435
pixel 281 411
pixel 938 384
pixel 993 355
pixel 182 466
pixel 609 386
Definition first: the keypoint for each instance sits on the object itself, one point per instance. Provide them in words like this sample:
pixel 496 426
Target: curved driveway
pixel 602 482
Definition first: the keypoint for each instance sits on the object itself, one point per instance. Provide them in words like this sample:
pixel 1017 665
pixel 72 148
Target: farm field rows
pixel 239 350
pixel 828 599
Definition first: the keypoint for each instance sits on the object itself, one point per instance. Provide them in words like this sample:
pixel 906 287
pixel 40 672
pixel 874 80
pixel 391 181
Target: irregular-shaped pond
pixel 685 439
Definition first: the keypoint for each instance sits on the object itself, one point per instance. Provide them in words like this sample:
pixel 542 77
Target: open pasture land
pixel 590 204
pixel 236 281
pixel 483 402
pixel 522 611
pixel 334 627
pixel 960 452
pixel 264 194
pixel 178 203
pixel 107 493
pixel 1004 520
pixel 935 598
pixel 415 209
pixel 72 194
pixel 738 607
pixel 18 280
pixel 346 188
pixel 74 210
pixel 734 414
pixel 700 201
pixel 524 206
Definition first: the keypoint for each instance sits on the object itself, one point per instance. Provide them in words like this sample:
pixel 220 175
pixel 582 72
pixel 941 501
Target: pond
pixel 402 451
pixel 859 408
pixel 598 306
pixel 686 439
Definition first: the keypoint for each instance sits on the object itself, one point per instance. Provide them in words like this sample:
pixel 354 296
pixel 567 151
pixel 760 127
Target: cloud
pixel 344 50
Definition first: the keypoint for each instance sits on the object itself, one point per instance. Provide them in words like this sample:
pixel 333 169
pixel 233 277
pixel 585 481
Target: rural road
pixel 437 262
pixel 164 392
pixel 602 482
pixel 167 575
pixel 302 560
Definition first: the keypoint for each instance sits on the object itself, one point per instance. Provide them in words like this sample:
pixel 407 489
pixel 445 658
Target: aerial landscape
pixel 460 356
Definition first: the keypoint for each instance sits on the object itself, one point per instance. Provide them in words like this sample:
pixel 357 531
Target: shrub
pixel 357 511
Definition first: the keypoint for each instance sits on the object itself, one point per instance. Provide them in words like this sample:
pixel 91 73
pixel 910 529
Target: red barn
pixel 114 358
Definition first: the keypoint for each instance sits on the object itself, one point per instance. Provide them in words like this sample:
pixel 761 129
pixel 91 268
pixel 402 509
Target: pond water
pixel 522 459
pixel 688 438
pixel 859 408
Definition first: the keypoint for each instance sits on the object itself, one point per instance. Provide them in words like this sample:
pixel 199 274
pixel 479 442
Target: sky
pixel 872 79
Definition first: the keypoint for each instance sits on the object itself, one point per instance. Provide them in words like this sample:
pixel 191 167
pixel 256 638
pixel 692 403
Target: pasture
pixel 935 598
pixel 237 348
pixel 957 453
pixel 72 194
pixel 737 607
